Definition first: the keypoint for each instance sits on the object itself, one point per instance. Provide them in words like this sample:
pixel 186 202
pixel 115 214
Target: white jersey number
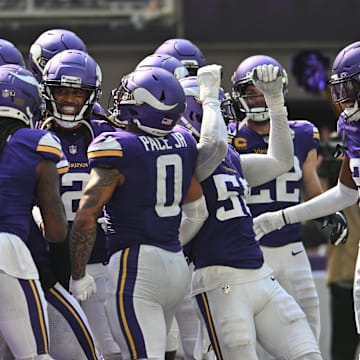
pixel 173 163
pixel 68 197
pixel 281 192
pixel 238 206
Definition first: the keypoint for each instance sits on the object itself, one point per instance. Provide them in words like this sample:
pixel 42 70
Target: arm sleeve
pixel 212 146
pixel 194 215
pixel 258 168
pixel 332 200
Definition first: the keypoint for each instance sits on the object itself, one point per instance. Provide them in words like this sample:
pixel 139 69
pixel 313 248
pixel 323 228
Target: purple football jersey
pixel 285 190
pixel 18 178
pixel 350 132
pixel 227 237
pixel 72 182
pixel 146 209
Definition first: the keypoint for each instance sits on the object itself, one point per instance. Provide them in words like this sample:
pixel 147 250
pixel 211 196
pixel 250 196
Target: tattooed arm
pixel 102 183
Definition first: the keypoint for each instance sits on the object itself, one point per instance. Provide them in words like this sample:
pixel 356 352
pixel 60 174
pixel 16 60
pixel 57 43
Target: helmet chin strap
pixel 352 113
pixel 150 130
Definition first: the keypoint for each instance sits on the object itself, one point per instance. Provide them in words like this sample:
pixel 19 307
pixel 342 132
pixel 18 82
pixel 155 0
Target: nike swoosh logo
pixel 294 253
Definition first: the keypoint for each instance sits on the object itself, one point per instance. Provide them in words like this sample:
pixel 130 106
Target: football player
pixel 344 84
pixel 143 226
pixel 186 323
pixel 71 85
pixel 235 294
pixel 283 250
pixel 28 160
pixel 45 47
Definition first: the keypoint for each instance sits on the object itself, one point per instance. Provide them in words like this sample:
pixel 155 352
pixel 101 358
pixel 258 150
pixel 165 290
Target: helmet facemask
pixel 240 96
pixel 346 91
pixel 69 121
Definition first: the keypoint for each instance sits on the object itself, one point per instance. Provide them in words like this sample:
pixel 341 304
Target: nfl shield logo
pixel 73 149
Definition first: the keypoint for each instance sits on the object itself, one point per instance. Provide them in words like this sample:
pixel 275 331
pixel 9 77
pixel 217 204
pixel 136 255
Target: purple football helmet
pixel 192 117
pixel 242 78
pixel 75 69
pixel 10 54
pixel 50 43
pixel 185 51
pixel 20 94
pixel 150 98
pixel 164 61
pixel 345 80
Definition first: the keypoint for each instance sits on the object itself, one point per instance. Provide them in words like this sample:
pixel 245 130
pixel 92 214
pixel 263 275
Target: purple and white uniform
pixel 285 190
pixel 283 249
pixel 73 179
pixel 235 294
pixel 143 218
pixel 350 133
pixel 23 318
pixel 77 339
pixel 225 190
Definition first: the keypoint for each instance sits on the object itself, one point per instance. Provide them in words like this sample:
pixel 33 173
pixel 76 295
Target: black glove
pixel 339 227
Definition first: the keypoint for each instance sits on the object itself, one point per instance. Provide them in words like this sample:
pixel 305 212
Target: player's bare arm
pixel 345 175
pixel 99 189
pixel 195 191
pixel 55 226
pixel 311 183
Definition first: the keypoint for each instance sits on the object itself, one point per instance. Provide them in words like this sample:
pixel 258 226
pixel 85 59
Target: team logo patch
pixel 73 149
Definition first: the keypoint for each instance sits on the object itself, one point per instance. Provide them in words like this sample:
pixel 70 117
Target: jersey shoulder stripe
pixel 48 143
pixel 316 134
pixel 105 146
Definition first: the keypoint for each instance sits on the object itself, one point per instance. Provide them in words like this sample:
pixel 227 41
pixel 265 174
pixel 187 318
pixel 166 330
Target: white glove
pixel 209 78
pixel 82 288
pixel 36 214
pixel 269 79
pixel 268 222
pixel 102 221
